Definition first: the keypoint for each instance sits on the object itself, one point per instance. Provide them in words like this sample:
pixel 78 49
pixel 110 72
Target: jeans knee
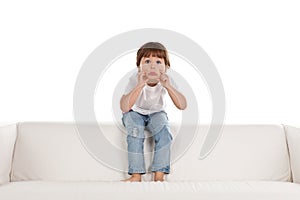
pixel 134 124
pixel 157 122
pixel 136 132
pixel 164 137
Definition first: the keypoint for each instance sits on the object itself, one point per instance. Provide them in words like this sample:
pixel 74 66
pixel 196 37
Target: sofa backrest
pixel 243 152
pixel 54 151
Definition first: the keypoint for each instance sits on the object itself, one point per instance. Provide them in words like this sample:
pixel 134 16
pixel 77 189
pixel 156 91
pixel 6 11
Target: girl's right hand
pixel 142 78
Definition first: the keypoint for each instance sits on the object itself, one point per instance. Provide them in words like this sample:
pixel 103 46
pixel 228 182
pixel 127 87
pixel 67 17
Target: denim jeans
pixel 157 124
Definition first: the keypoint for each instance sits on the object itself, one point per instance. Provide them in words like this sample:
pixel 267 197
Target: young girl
pixel 143 107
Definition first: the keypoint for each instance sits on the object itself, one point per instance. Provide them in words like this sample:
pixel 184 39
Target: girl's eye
pixel 158 62
pixel 147 61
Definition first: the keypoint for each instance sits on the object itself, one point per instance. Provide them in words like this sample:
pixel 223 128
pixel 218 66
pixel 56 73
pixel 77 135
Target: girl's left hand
pixel 164 80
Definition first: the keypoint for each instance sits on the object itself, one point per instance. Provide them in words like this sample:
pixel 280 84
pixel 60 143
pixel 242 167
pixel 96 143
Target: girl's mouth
pixel 152 74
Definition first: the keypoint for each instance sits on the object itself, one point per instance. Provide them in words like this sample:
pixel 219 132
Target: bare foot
pixel 159 176
pixel 134 178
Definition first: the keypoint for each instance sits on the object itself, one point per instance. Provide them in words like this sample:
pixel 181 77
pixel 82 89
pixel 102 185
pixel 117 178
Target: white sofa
pixel 47 160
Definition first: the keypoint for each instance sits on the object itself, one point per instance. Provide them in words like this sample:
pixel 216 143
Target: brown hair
pixel 155 49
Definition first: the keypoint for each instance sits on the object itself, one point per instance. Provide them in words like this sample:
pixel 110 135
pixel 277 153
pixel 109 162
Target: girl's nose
pixel 152 66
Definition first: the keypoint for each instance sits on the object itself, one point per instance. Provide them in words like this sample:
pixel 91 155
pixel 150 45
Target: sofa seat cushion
pixel 258 190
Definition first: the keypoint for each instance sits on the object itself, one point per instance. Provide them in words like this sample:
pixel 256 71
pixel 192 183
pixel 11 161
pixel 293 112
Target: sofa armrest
pixel 293 141
pixel 8 134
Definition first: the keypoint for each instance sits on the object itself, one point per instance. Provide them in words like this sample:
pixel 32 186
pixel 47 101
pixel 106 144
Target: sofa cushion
pixel 227 190
pixel 8 135
pixel 243 152
pixel 293 139
pixel 53 151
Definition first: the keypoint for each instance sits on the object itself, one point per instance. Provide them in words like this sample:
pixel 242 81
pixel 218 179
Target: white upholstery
pixel 244 152
pixel 8 135
pixel 293 138
pixel 53 151
pixel 205 190
pixel 49 161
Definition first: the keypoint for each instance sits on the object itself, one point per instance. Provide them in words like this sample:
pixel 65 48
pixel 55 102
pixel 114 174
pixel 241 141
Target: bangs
pixel 153 52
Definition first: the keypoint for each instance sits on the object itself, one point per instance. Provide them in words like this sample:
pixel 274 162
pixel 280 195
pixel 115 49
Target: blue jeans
pixel 157 124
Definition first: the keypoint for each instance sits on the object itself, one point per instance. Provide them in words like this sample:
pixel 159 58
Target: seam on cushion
pixel 288 150
pixel 14 150
pixel 3 126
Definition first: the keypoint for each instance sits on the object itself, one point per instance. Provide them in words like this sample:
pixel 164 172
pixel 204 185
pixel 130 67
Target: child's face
pixel 153 67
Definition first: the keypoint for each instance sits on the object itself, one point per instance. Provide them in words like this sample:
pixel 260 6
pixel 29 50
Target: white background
pixel 255 46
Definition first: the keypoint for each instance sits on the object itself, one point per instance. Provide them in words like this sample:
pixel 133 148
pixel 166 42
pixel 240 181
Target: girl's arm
pixel 177 98
pixel 128 100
